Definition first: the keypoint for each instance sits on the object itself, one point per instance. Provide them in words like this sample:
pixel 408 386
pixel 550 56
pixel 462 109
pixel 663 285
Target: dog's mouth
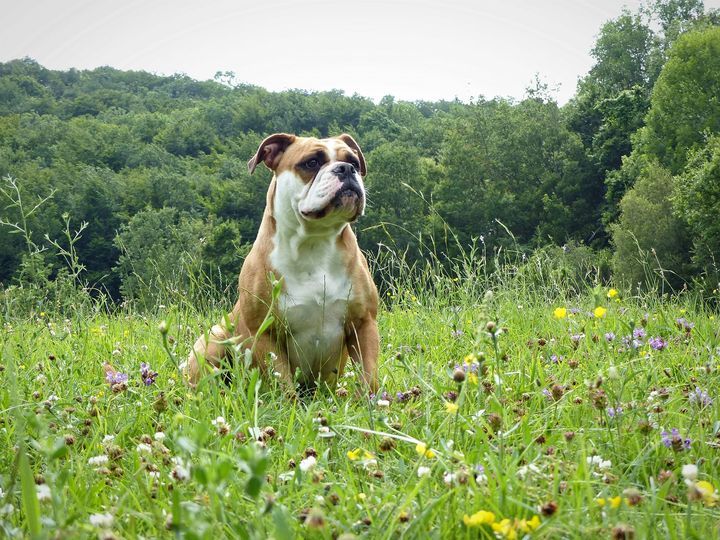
pixel 348 200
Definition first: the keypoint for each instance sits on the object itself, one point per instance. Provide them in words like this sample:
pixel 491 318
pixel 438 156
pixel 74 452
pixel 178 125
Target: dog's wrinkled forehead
pixel 305 156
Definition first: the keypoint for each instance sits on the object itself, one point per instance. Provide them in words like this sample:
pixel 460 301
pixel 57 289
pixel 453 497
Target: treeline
pixel 155 166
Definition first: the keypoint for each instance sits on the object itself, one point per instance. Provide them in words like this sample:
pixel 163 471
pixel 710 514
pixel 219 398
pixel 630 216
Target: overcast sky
pixel 412 49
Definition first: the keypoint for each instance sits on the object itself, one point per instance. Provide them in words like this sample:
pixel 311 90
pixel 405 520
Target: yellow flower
pixel 470 358
pixel 451 407
pixel 560 313
pixel 612 293
pixel 528 525
pixel 422 450
pixel 472 378
pixel 599 311
pixel 479 518
pixel 505 528
pixel 354 454
pixel 615 502
pixel 707 490
pixel 600 501
pixel 368 455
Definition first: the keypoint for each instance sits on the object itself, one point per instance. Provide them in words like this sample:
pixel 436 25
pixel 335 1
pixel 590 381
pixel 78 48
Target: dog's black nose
pixel 344 170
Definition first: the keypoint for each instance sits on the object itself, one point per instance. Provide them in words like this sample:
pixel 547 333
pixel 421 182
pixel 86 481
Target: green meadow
pixel 502 413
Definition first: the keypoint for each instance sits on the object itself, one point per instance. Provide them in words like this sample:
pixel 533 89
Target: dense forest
pixel 130 178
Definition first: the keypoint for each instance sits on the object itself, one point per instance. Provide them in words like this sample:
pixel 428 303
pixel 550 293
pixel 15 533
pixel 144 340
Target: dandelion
pixel 451 407
pixel 308 463
pixel 102 521
pixel 599 312
pixel 478 519
pixel 657 343
pixel 43 492
pixel 612 293
pixel 560 313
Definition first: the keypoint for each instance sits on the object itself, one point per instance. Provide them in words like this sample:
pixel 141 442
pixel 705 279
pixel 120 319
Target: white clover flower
pixel 98 461
pixel 43 492
pixel 159 436
pixel 525 469
pixel 103 521
pixel 690 472
pixel 308 463
pixel 449 478
pixel 180 473
pixel 604 465
pixel 143 448
pixel 41 378
pixel 383 403
pixel 108 439
pixel 423 471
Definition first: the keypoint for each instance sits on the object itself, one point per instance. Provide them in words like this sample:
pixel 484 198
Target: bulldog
pixel 327 306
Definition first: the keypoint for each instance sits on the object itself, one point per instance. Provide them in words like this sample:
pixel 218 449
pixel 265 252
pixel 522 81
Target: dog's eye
pixel 313 163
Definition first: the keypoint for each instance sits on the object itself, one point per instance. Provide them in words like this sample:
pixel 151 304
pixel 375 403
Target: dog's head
pixel 318 181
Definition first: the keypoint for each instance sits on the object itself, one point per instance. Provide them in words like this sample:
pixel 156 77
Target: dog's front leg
pixel 363 344
pixel 210 348
pixel 273 361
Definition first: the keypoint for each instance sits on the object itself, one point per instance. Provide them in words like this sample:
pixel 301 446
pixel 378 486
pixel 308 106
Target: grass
pixel 547 418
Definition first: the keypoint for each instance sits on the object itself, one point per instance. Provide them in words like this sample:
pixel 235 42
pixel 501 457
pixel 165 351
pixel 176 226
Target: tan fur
pixel 283 152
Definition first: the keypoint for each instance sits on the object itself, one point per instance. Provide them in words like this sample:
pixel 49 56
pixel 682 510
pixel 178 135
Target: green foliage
pixel 685 107
pixel 651 245
pixel 697 202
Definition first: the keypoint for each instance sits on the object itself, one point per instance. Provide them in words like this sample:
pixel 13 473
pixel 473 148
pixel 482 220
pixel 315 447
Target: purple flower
pixel 575 338
pixel 639 333
pixel 547 394
pixel 574 311
pixel 609 336
pixel 683 324
pixel 457 333
pixel 700 397
pixel 556 359
pixel 657 343
pixel 148 375
pixel 115 377
pixel 675 441
pixel 614 411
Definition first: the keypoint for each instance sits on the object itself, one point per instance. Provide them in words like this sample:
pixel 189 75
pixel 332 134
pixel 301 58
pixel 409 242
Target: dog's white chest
pixel 313 305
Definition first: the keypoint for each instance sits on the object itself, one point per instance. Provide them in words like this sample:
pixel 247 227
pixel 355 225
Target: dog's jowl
pixel 327 308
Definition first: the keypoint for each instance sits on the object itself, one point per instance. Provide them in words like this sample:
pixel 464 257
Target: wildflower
pixel 472 378
pixel 614 411
pixel 529 525
pixel 505 528
pixel 449 478
pixel 612 293
pixel 451 407
pixel 480 474
pixel 159 436
pixel 609 336
pixel 616 501
pixel 423 471
pixel 576 338
pixel 560 313
pixel 657 343
pixel 43 492
pixel 222 426
pixel 144 448
pixel 98 461
pixel 599 312
pixel 103 521
pixel 458 375
pixel 422 450
pixel 478 519
pixel 700 398
pixel 148 376
pixel 308 463
pixel 704 491
pixel 457 333
pixel 690 472
pixel 639 333
pixel 180 471
pixel 115 377
pixel 383 403
pixel 675 441
pixel 683 324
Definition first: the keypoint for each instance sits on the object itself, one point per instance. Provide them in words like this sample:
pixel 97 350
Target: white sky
pixel 412 49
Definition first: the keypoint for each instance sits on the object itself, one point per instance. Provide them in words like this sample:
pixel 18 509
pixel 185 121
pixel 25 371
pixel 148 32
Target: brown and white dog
pixel 327 308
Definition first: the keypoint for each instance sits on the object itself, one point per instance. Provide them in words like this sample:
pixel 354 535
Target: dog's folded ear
pixel 270 151
pixel 347 139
